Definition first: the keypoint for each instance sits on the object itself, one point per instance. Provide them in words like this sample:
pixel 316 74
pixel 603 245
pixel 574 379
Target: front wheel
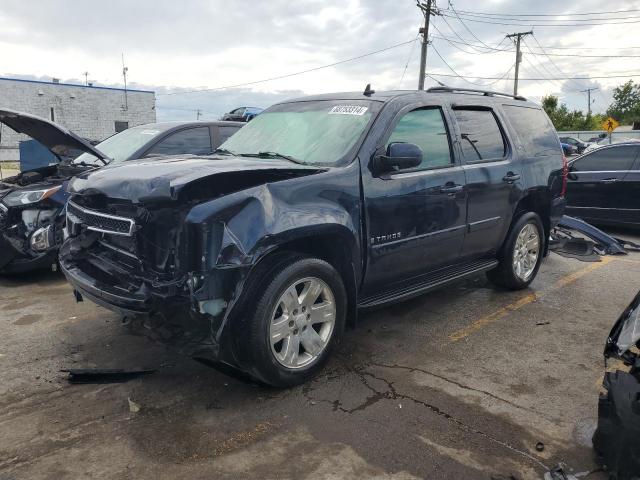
pixel 521 255
pixel 297 321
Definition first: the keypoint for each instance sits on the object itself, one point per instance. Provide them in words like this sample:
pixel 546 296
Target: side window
pixel 194 141
pixel 535 131
pixel 606 159
pixel 238 111
pixel 425 128
pixel 481 135
pixel 226 132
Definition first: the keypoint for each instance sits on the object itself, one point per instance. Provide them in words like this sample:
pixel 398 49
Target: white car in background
pixel 605 141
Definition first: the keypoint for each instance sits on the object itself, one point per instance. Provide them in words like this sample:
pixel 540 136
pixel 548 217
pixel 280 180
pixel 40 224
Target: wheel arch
pixel 537 201
pixel 335 244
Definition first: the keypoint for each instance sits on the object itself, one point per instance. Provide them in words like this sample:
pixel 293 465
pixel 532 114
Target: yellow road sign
pixel 610 124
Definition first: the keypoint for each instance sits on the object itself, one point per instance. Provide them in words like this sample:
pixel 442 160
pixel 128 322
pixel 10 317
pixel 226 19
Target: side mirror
pixel 399 156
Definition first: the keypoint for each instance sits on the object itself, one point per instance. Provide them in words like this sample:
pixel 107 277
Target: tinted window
pixel 426 129
pixel 226 132
pixel 194 141
pixel 481 135
pixel 534 131
pixel 606 159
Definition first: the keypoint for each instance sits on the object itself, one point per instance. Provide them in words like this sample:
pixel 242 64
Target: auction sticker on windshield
pixel 348 110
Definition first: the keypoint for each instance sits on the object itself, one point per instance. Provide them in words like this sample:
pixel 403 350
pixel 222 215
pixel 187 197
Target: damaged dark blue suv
pixel 258 255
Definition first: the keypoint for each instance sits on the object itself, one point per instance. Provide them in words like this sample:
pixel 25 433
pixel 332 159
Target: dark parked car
pixel 242 114
pixel 568 150
pixel 604 185
pixel 574 142
pixel 32 203
pixel 258 255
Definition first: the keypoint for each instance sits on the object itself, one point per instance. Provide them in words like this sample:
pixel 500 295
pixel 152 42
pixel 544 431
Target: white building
pixel 94 113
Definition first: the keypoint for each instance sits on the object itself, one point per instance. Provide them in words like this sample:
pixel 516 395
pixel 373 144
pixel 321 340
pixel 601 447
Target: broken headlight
pixel 26 197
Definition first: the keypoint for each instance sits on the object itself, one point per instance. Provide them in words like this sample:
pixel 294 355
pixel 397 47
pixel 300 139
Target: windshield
pixel 318 133
pixel 122 145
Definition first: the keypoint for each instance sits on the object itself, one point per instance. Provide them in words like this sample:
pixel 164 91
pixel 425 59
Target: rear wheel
pixel 521 255
pixel 296 322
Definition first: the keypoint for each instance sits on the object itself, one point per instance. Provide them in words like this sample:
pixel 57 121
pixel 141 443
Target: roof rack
pixel 486 93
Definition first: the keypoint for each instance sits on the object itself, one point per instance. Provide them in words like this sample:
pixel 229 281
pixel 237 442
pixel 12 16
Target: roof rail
pixel 486 93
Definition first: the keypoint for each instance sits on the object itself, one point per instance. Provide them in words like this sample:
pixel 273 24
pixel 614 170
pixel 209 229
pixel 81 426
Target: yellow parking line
pixel 482 322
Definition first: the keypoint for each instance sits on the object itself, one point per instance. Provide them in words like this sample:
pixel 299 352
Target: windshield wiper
pixel 224 151
pixel 274 155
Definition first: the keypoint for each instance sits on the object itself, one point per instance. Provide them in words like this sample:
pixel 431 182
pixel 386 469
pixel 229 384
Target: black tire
pixel 273 279
pixel 504 274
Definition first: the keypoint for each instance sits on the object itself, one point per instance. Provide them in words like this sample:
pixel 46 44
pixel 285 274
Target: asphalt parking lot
pixel 460 383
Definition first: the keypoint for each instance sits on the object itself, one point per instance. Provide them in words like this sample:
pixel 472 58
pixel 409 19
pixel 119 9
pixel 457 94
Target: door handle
pixel 609 180
pixel 511 177
pixel 451 188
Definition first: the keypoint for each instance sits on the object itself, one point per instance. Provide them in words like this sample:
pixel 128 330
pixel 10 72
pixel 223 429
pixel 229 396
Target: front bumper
pixel 104 295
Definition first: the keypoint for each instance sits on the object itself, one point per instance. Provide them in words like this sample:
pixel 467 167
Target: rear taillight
pixel 565 174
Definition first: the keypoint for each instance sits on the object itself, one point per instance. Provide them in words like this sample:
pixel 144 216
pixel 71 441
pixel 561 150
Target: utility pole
pixel 588 92
pixel 518 36
pixel 425 7
pixel 198 113
pixel 86 78
pixel 124 76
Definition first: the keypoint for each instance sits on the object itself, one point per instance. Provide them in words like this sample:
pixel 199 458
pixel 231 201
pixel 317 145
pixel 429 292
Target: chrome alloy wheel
pixel 302 322
pixel 526 252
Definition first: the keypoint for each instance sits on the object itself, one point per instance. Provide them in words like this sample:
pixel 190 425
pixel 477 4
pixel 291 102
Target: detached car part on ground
pixel 32 203
pixel 258 255
pixel 617 438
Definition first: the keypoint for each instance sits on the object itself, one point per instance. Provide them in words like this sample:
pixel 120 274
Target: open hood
pixel 625 333
pixel 56 138
pixel 163 179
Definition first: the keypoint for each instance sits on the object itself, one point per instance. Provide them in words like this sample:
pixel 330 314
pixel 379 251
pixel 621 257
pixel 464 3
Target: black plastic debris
pixel 617 438
pixel 563 240
pixel 104 375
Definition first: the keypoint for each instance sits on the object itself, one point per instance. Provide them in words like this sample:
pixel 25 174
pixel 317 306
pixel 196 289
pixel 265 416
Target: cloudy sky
pixel 174 47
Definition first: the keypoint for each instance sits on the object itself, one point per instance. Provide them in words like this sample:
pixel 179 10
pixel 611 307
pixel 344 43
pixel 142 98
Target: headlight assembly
pixel 26 197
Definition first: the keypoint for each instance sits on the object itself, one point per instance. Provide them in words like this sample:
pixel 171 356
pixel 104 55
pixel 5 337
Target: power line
pixel 289 74
pixel 596 77
pixel 465 78
pixel 513 19
pixel 544 24
pixel 547 14
pixel 544 53
pixel 467 28
pixel 408 60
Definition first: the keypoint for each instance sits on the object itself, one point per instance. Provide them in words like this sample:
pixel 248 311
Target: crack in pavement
pixel 467 387
pixel 392 394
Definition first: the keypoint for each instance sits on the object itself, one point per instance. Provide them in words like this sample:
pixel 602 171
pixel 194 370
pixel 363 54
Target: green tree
pixel 626 103
pixel 565 119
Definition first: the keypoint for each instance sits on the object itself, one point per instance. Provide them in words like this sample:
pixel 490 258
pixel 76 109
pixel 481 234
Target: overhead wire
pixel 182 92
pixel 408 60
pixel 466 78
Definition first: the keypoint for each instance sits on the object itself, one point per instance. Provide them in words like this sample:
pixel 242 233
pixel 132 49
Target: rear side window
pixel 194 141
pixel 426 129
pixel 534 130
pixel 481 136
pixel 606 159
pixel 226 132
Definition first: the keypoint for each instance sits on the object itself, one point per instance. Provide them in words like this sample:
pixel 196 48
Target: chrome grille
pixel 100 222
